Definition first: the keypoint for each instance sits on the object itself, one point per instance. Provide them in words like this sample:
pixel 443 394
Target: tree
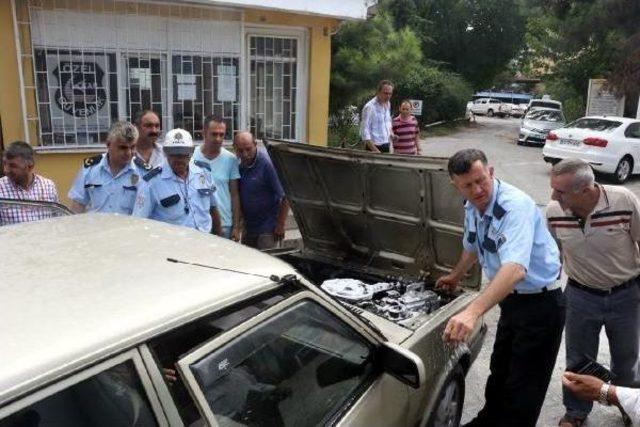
pixel 475 38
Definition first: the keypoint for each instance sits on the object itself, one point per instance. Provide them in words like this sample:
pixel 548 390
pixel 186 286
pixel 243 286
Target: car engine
pixel 395 300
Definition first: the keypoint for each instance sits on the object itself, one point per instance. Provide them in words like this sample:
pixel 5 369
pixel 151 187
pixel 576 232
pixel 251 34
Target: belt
pixel 542 290
pixel 602 292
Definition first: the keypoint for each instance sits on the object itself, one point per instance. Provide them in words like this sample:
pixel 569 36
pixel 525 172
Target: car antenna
pixel 288 278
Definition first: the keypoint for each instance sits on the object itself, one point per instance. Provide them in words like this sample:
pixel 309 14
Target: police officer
pixel 109 182
pixel 178 192
pixel 506 233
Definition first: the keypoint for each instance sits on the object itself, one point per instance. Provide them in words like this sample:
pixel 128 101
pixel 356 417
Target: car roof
pixel 77 289
pixel 624 120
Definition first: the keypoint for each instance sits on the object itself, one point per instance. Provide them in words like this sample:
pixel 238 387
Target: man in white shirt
pixel 148 150
pixel 375 128
pixel 590 388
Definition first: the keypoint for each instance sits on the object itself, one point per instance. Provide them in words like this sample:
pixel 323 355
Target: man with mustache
pixel 109 182
pixel 506 233
pixel 22 183
pixel 178 192
pixel 148 150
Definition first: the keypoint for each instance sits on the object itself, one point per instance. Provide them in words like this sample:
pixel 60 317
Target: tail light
pixel 596 142
pixel 552 136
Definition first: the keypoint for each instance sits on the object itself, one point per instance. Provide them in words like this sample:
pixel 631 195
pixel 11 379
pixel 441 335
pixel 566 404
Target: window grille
pixel 87 63
pixel 273 86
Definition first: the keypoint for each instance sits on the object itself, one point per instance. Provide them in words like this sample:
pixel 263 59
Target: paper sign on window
pixel 226 83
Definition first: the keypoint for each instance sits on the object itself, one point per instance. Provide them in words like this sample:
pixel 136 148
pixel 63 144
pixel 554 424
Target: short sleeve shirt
pixel 600 252
pixel 512 230
pixel 164 196
pixel 98 190
pixel 260 195
pixel 222 170
pixel 41 189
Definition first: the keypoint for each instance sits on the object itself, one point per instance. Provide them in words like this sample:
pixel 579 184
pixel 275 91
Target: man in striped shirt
pixel 21 183
pixel 406 131
pixel 597 228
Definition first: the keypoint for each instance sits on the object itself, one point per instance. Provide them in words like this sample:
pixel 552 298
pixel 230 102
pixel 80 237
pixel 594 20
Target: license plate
pixel 573 142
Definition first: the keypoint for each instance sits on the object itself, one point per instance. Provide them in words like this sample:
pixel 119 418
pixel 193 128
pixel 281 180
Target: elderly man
pixel 22 183
pixel 109 182
pixel 598 229
pixel 264 206
pixel 375 127
pixel 148 150
pixel 178 192
pixel 507 234
pixel 222 166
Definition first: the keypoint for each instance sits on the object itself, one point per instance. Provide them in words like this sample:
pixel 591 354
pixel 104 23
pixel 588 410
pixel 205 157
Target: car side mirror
pixel 402 364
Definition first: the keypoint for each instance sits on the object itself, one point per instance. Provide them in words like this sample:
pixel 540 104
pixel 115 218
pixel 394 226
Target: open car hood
pixel 391 212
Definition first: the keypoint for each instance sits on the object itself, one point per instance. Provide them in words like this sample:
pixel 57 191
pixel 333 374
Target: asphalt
pixel 524 168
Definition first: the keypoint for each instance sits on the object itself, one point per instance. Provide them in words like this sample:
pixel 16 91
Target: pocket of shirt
pixel 128 198
pixel 97 196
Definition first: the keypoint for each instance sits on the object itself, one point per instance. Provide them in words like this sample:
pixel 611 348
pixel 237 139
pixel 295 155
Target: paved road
pixel 524 168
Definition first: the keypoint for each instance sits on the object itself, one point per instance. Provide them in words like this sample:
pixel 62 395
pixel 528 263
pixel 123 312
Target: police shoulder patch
pixel 141 163
pixel 203 165
pixel 92 161
pixel 154 172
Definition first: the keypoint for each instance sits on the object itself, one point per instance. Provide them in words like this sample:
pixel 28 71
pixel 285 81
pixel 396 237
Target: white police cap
pixel 178 141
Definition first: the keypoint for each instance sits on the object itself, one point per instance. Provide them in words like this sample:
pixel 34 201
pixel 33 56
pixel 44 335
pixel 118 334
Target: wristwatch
pixel 603 397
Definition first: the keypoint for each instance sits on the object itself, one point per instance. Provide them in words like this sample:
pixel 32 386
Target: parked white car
pixel 544 103
pixel 537 124
pixel 609 144
pixel 486 106
pixel 109 320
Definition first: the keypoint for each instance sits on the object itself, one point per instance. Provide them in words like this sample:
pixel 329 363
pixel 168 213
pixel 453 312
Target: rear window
pixel 545 104
pixel 595 124
pixel 546 116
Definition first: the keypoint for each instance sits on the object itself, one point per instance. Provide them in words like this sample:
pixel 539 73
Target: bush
pixel 444 94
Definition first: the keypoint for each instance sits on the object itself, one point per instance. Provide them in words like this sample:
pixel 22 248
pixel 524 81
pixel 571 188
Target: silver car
pixel 537 124
pixel 118 321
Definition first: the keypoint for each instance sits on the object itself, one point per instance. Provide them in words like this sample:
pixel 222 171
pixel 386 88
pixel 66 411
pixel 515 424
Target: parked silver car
pixel 537 124
pixel 110 320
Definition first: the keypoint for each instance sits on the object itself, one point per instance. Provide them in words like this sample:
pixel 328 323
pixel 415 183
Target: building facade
pixel 70 68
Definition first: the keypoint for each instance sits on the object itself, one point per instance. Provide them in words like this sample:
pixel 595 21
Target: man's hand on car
pixel 460 326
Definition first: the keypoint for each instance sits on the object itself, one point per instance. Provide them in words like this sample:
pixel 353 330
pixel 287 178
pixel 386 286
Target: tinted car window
pixel 545 116
pixel 595 124
pixel 295 369
pixel 544 104
pixel 633 131
pixel 170 347
pixel 114 397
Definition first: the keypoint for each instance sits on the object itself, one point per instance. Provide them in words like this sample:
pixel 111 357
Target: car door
pixel 632 140
pixel 298 363
pixel 479 106
pixel 117 392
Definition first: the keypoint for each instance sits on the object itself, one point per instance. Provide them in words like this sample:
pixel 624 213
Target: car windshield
pixel 545 116
pixel 595 124
pixel 544 104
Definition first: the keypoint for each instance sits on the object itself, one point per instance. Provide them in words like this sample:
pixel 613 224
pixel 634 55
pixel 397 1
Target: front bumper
pixel 528 136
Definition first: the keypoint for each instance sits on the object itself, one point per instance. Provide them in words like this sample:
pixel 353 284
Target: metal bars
pixel 273 86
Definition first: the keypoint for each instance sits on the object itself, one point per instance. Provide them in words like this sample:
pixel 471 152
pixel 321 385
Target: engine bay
pixel 398 299
pixel 395 301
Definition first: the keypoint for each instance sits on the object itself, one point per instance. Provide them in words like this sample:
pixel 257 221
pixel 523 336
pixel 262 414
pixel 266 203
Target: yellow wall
pixel 62 167
pixel 10 103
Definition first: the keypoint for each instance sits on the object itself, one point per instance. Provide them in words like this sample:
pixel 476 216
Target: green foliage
pixel 444 94
pixel 365 53
pixel 475 38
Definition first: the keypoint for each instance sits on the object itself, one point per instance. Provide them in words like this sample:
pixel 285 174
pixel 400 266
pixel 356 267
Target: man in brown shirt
pixel 597 228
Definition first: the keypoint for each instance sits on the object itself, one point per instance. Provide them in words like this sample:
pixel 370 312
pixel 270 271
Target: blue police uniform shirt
pixel 164 196
pixel 98 190
pixel 512 230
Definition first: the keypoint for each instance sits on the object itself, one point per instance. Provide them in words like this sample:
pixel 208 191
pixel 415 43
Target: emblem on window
pixel 81 88
pixel 222 366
